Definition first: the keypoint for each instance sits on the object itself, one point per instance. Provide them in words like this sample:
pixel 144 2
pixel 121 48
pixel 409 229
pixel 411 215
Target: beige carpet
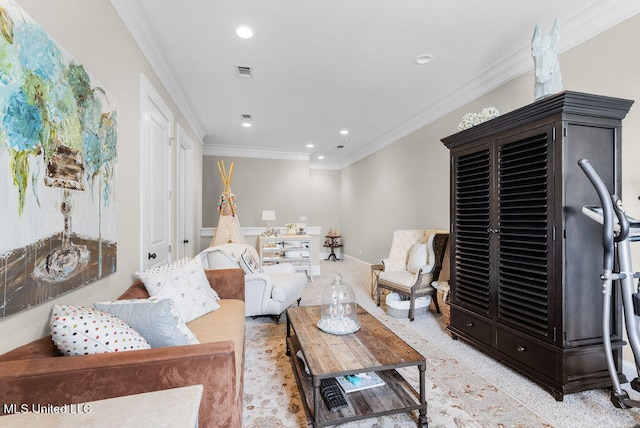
pixel 465 388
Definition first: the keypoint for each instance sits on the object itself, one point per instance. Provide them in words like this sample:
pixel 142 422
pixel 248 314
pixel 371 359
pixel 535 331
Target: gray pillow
pixel 156 319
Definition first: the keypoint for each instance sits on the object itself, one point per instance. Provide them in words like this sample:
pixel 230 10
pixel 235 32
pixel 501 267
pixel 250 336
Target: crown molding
pixel 325 165
pixel 144 35
pixel 246 152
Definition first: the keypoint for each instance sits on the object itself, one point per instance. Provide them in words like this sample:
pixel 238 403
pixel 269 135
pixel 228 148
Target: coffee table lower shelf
pixel 396 396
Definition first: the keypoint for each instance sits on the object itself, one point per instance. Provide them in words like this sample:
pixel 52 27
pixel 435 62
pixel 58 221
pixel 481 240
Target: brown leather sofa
pixel 37 373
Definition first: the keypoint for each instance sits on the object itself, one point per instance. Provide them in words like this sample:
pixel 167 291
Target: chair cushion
pixel 227 323
pixel 403 278
pixel 287 287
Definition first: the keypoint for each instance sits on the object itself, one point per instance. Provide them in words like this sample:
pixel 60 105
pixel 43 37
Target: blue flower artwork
pixel 58 158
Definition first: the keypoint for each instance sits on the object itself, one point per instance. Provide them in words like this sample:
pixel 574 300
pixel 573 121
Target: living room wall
pixel 259 184
pixel 406 185
pixel 289 187
pixel 92 32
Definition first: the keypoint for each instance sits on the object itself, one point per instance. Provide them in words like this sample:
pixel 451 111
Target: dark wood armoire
pixel 526 264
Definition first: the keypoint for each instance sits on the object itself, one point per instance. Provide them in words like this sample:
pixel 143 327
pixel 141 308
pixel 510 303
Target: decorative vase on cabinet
pixel 524 285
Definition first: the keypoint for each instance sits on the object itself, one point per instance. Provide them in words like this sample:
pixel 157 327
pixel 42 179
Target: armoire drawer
pixel 525 351
pixel 471 325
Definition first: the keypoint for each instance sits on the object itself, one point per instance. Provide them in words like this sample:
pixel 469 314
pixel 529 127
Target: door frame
pixel 151 99
pixel 185 195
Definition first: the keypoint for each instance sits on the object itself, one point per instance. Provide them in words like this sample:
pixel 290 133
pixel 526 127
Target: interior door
pixel 156 171
pixel 185 196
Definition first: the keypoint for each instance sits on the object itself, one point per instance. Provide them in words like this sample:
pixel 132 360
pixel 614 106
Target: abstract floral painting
pixel 58 138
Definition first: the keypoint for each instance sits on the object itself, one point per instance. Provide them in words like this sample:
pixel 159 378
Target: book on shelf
pixel 361 381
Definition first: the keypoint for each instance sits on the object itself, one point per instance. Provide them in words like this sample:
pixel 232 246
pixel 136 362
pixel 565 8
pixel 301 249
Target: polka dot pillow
pixel 77 330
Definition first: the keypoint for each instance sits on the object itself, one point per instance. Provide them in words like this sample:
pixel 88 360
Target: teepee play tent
pixel 228 226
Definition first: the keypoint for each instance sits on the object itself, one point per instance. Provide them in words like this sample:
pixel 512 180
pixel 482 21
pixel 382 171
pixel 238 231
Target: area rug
pixel 465 388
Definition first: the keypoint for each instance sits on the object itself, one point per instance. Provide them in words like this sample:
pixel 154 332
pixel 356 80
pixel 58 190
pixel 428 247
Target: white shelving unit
pixel 294 249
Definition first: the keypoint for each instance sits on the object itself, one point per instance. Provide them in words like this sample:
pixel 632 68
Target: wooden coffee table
pixel 373 348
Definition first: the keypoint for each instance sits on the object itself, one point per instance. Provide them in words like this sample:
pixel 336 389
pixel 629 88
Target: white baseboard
pixel 355 259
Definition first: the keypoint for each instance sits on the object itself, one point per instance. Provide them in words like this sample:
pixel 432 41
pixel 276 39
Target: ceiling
pixel 322 66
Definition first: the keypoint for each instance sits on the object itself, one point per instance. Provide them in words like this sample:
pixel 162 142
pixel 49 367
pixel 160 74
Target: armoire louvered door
pixel 472 205
pixel 524 245
pixel 525 284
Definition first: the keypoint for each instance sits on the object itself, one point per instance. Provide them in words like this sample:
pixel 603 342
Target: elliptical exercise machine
pixel 618 231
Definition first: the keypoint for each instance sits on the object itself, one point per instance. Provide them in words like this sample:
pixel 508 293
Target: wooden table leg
pixel 375 272
pixel 422 418
pixel 316 400
pixel 288 335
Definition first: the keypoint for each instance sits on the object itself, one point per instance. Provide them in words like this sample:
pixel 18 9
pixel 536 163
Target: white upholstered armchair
pixel 269 290
pixel 414 261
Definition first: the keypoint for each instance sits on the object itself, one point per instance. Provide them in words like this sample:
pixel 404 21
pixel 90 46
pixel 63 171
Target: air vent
pixel 244 71
pixel 246 117
pixel 340 146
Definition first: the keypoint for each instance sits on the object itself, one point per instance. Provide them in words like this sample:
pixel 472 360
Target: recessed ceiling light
pixel 344 132
pixel 320 157
pixel 424 59
pixel 309 146
pixel 246 124
pixel 244 32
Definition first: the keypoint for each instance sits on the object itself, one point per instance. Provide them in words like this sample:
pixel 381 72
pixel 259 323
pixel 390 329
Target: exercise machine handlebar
pixel 607 211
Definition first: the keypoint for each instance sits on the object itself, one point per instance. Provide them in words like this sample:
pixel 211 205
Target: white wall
pixel 324 195
pixel 260 184
pixel 92 32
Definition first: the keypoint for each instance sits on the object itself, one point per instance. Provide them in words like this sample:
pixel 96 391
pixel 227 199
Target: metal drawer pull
pixel 469 324
pixel 521 348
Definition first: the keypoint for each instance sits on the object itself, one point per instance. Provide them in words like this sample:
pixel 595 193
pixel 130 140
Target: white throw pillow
pixel 77 330
pixel 186 285
pixel 156 319
pixel 249 263
pixel 418 257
